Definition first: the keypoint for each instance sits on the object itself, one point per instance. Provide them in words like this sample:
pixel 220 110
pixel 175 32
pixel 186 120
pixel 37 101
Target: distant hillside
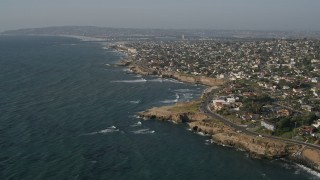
pixel 93 31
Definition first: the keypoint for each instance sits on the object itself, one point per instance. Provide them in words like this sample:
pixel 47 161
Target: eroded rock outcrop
pixel 173 113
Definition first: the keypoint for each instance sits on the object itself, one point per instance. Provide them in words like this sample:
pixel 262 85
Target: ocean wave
pixel 68 44
pixel 143 131
pixel 127 70
pixel 110 129
pixel 135 116
pixel 183 90
pixel 202 134
pixel 208 142
pixel 187 95
pixel 169 101
pixel 136 124
pixel 174 81
pixel 165 80
pixel 135 102
pixel 156 80
pixel 141 80
pixel 310 171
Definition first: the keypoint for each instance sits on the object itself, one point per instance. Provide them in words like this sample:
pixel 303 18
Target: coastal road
pixel 204 107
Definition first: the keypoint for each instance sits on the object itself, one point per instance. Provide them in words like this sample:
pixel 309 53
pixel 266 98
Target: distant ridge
pixel 94 31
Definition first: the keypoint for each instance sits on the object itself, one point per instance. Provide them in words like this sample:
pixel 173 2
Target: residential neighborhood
pixel 273 86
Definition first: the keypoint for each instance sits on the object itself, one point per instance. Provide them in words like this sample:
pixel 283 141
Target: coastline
pixel 186 78
pixel 221 134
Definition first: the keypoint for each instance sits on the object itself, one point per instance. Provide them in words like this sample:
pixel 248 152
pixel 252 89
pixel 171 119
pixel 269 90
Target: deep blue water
pixel 66 114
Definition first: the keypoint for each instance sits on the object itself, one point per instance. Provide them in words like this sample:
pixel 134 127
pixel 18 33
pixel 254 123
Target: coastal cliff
pixel 138 69
pixel 257 147
pixel 175 113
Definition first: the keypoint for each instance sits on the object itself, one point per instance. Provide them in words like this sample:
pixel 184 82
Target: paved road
pixel 204 107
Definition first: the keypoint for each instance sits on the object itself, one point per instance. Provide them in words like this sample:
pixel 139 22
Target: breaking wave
pixel 110 129
pixel 167 101
pixel 310 171
pixel 165 80
pixel 141 80
pixel 135 102
pixel 184 90
pixel 136 124
pixel 143 131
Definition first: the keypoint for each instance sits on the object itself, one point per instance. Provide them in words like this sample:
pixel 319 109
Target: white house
pixel 316 124
pixel 268 125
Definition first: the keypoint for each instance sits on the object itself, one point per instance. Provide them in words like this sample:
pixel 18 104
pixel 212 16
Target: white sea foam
pixel 183 90
pixel 174 81
pixel 127 70
pixel 169 101
pixel 187 95
pixel 143 131
pixel 310 171
pixel 135 102
pixel 157 80
pixel 164 80
pixel 136 116
pixel 110 129
pixel 201 133
pixel 136 124
pixel 68 44
pixel 141 80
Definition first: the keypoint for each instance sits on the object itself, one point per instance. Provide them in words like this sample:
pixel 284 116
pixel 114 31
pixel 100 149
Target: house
pixel 283 112
pixel 218 104
pixel 316 124
pixel 231 100
pixel 314 80
pixel 306 108
pixel 285 87
pixel 268 125
pixel 306 130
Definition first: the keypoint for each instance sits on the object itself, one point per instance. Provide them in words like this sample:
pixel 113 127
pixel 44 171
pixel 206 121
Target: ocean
pixel 66 112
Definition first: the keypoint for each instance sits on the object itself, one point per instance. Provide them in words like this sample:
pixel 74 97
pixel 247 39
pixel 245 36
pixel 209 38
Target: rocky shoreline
pixel 257 147
pixel 207 81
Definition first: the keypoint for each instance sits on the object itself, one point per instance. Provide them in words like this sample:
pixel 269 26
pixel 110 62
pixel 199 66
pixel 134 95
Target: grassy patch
pixel 187 107
pixel 287 135
pixel 233 119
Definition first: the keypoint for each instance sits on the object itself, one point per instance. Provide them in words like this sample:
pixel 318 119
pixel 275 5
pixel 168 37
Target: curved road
pixel 204 107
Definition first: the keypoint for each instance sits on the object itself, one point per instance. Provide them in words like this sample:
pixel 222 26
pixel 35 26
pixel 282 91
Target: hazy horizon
pixel 152 14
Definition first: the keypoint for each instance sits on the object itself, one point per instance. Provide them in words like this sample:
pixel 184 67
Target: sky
pixel 166 14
